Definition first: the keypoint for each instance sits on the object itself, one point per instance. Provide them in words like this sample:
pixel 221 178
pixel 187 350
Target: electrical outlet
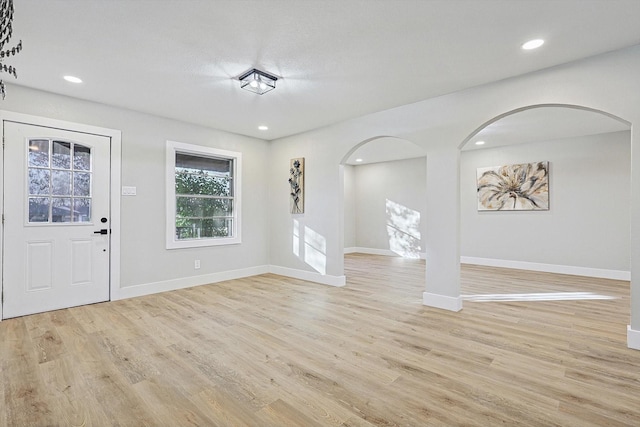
pixel 197 264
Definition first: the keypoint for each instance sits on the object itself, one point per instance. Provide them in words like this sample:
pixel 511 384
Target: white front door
pixel 56 219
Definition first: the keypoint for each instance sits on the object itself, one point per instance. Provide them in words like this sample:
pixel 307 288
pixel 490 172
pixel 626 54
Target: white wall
pixel 146 265
pixel 350 207
pixel 308 245
pixel 390 205
pixel 588 221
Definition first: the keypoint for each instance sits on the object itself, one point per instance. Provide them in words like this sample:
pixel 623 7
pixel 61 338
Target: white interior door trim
pixel 115 182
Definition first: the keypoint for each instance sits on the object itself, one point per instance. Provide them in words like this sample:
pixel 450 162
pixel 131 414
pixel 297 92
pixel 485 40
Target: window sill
pixel 200 243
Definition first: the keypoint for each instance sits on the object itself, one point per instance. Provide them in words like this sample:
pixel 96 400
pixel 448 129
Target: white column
pixel 443 229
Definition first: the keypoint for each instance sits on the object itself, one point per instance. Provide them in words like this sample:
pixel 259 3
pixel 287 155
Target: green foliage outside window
pixel 204 203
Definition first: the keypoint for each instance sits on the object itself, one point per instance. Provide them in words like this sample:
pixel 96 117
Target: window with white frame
pixel 203 196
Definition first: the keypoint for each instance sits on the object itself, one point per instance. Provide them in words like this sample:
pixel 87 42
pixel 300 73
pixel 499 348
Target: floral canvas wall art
pixel 518 187
pixel 296 185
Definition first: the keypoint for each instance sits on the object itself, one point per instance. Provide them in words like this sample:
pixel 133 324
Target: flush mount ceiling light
pixel 479 142
pixel 263 127
pixel 257 81
pixel 533 44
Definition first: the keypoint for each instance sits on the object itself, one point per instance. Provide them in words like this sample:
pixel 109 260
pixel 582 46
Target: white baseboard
pixel 442 301
pixel 375 251
pixel 633 338
pixel 549 268
pixel 310 276
pixel 186 282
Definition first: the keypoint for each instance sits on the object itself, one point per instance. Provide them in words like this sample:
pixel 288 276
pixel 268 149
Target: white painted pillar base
pixel 633 338
pixel 442 301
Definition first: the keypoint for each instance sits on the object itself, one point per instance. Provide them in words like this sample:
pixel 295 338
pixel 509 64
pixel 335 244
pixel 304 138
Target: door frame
pixel 115 137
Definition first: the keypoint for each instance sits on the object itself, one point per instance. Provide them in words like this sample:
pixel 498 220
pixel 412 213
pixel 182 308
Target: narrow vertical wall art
pixel 296 184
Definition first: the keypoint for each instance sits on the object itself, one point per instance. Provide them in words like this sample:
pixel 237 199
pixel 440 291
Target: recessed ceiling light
pixel 263 127
pixel 358 160
pixel 533 44
pixel 72 79
pixel 479 142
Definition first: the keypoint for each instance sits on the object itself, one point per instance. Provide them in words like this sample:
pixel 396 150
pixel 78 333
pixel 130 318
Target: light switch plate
pixel 128 191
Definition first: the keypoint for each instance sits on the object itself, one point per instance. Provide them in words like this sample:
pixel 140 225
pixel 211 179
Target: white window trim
pixel 174 147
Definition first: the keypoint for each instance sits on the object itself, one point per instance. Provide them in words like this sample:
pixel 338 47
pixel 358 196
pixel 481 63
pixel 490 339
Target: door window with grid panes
pixel 59 182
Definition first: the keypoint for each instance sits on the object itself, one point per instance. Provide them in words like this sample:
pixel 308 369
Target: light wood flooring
pixel 272 351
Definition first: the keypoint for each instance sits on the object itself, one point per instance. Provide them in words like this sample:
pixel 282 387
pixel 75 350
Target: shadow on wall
pixel 403 228
pixel 310 247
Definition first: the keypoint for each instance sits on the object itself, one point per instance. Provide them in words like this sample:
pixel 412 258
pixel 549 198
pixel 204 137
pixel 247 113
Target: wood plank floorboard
pixel 528 349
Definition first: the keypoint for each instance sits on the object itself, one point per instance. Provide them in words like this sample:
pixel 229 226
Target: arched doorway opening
pixel 384 184
pixel 584 229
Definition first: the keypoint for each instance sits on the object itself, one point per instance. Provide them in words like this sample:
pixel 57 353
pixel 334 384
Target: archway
pixel 384 180
pixel 585 229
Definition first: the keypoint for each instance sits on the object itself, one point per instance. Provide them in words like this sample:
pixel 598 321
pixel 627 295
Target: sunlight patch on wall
pixel 544 296
pixel 403 229
pixel 315 250
pixel 309 246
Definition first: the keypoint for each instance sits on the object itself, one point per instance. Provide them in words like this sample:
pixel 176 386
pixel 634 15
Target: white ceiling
pixel 544 124
pixel 529 126
pixel 336 59
pixel 385 149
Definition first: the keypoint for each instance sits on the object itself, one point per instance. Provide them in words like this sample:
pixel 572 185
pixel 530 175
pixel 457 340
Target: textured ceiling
pixel 385 149
pixel 544 124
pixel 533 125
pixel 336 59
